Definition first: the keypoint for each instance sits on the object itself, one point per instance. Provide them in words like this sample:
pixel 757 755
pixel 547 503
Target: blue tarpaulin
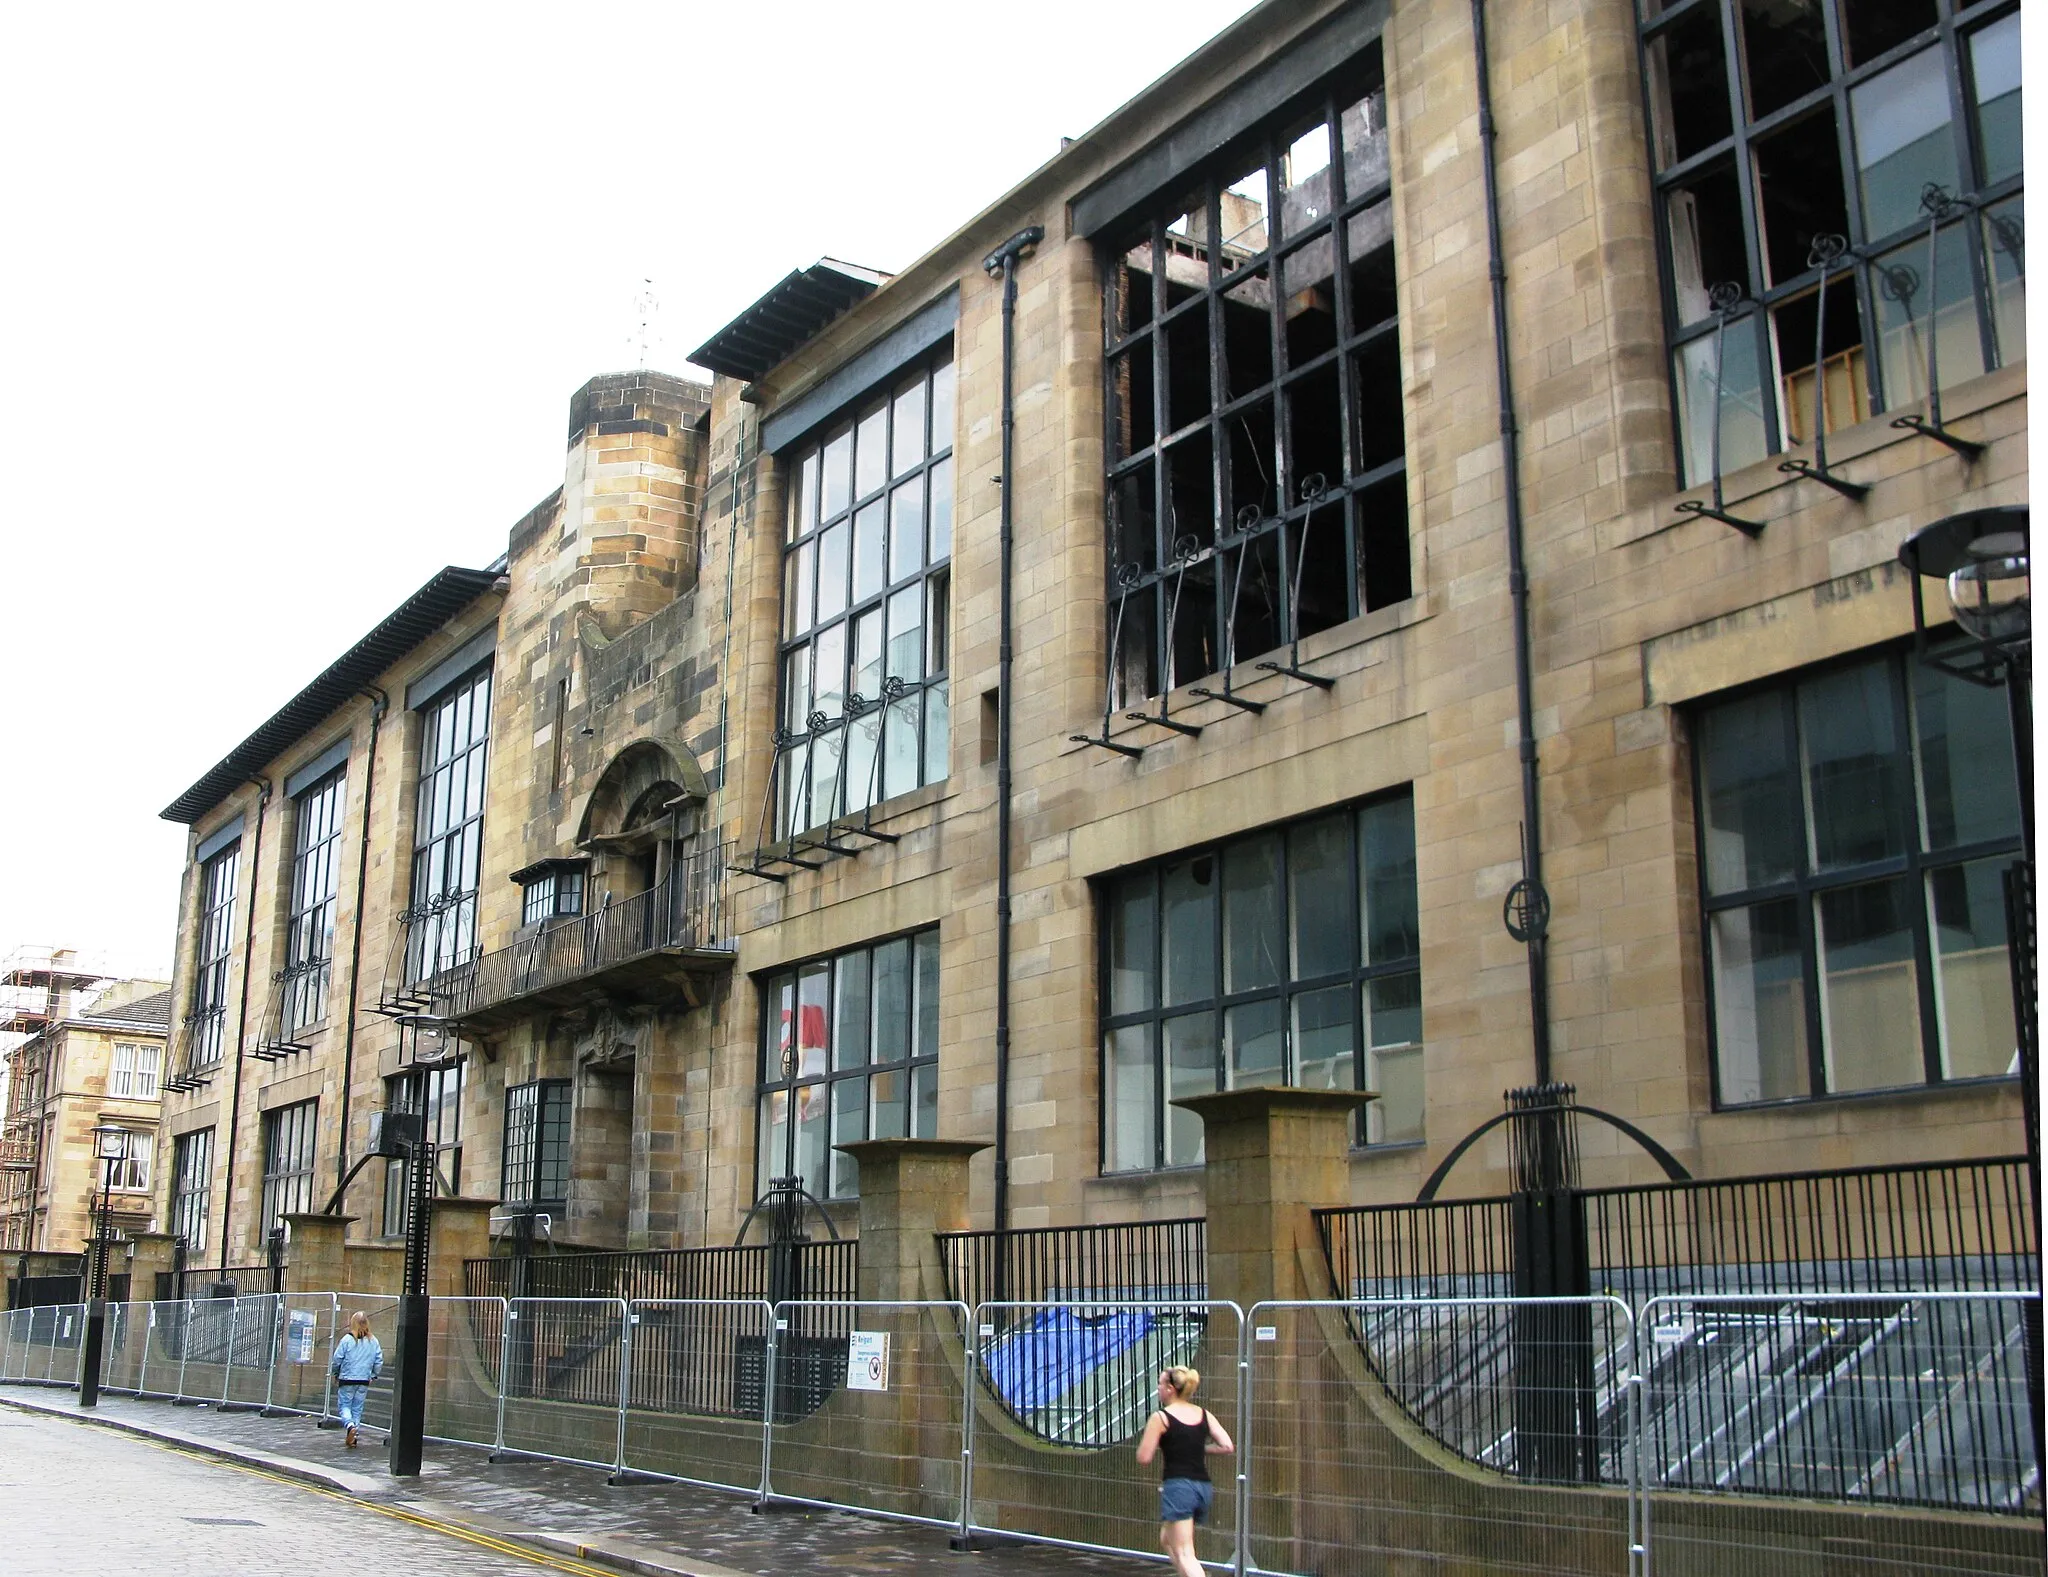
pixel 1035 1367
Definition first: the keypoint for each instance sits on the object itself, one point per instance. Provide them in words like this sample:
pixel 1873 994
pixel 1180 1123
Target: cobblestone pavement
pixel 702 1531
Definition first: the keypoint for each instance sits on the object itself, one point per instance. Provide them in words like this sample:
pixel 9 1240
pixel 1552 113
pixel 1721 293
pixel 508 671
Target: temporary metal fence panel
pixel 205 1333
pixel 13 1343
pixel 1062 1392
pixel 123 1347
pixel 1465 1433
pixel 252 1351
pixel 869 1408
pixel 564 1367
pixel 696 1391
pixel 307 1326
pixel 465 1354
pixel 1897 1424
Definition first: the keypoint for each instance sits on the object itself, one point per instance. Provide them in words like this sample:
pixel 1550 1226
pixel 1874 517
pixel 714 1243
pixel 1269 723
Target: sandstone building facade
pixel 1157 639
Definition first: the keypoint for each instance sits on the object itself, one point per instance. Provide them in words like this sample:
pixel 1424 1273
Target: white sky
pixel 292 305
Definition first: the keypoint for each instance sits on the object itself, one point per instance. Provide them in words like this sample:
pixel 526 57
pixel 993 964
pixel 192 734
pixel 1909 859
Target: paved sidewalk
pixel 662 1530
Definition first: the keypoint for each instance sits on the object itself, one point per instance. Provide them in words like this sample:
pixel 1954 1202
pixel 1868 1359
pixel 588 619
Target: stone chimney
pixel 632 494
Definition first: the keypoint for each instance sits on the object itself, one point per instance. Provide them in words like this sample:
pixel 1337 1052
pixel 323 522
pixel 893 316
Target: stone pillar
pixel 316 1257
pixel 909 1190
pixel 155 1254
pixel 461 1230
pixel 1273 1155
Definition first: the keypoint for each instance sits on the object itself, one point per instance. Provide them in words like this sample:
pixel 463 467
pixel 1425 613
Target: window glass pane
pixel 796 689
pixel 1396 1073
pixel 1133 924
pixel 1742 397
pixel 1874 26
pixel 888 1104
pixel 2005 245
pixel 1972 970
pixel 938 731
pixel 924 1102
pixel 850 1012
pixel 813 1027
pixel 1253 940
pixel 1190 1070
pixel 1688 87
pixel 1870 1000
pixel 942 408
pixel 1902 291
pixel 1129 1124
pixel 1995 88
pixel 773 1139
pixel 1704 219
pixel 867 655
pixel 838 479
pixel 942 511
pixel 805 513
pixel 1759 1002
pixel 1784 54
pixel 828 681
pixel 871 452
pixel 1903 141
pixel 849 1126
pixel 870 555
pixel 938 620
pixel 797 587
pixel 905 659
pixel 862 736
pixel 906 530
pixel 900 751
pixel 1386 846
pixel 1393 1011
pixel 1750 785
pixel 1856 783
pixel 1967 786
pixel 813 1112
pixel 1189 896
pixel 892 1002
pixel 1320 927
pixel 926 946
pixel 832 564
pixel 1255 1046
pixel 825 798
pixel 1325 1039
pixel 906 432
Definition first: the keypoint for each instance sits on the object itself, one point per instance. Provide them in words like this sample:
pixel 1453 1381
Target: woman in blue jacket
pixel 358 1360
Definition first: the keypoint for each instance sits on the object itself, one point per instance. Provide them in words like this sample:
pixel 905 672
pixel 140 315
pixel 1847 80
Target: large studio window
pixel 534 1169
pixel 1845 112
pixel 850 1046
pixel 191 1187
pixel 1257 483
pixel 1855 824
pixel 289 1135
pixel 436 1095
pixel 213 956
pixel 448 829
pixel 309 931
pixel 867 606
pixel 1287 957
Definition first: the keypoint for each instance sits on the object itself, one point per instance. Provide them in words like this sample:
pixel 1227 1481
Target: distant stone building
pixel 92 1057
pixel 662 855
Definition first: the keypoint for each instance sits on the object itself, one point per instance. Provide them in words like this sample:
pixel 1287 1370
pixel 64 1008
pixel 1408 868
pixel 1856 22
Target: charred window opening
pixel 1830 118
pixel 1257 487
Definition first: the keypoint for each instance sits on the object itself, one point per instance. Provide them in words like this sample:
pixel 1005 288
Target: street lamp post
pixel 110 1144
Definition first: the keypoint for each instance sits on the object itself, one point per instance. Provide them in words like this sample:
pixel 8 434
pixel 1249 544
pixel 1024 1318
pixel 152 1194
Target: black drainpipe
pixel 227 1207
pixel 380 703
pixel 1003 262
pixel 1534 903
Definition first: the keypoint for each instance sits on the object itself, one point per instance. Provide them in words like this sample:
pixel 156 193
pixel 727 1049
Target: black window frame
pixel 315 896
pixel 1154 1016
pixel 922 701
pixel 191 1192
pixel 436 1094
pixel 552 890
pixel 447 861
pixel 213 958
pixel 782 1073
pixel 1803 889
pixel 1147 580
pixel 535 1151
pixel 1868 256
pixel 291 1151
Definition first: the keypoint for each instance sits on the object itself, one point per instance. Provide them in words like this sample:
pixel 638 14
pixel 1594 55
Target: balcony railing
pixel 647 947
pixel 201 1056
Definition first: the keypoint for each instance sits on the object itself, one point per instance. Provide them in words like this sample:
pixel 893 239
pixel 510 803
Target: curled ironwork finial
pixel 893 687
pixel 1724 297
pixel 1126 576
pixel 1827 250
pixel 1186 549
pixel 1313 486
pixel 1900 282
pixel 856 703
pixel 819 722
pixel 1937 201
pixel 1248 516
pixel 784 738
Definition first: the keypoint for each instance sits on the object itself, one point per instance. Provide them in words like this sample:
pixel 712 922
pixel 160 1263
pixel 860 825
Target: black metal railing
pixel 682 912
pixel 298 994
pixel 1933 1227
pixel 203 1052
pixel 1123 1300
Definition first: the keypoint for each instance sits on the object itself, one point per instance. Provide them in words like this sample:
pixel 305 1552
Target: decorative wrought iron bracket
pixel 1159 719
pixel 1814 473
pixel 1700 507
pixel 1106 743
pixel 1320 681
pixel 1240 702
pixel 1968 448
pixel 755 870
pixel 1899 284
pixel 1725 298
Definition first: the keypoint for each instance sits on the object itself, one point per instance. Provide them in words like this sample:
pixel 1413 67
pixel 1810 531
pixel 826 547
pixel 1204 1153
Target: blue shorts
pixel 1182 1498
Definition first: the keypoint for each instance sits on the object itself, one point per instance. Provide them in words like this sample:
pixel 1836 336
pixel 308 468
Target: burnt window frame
pixel 535 1151
pixel 447 850
pixel 315 897
pixel 1867 256
pixel 924 698
pixel 191 1191
pixel 213 957
pixel 1154 1015
pixel 291 1154
pixel 1807 886
pixel 782 1072
pixel 1349 495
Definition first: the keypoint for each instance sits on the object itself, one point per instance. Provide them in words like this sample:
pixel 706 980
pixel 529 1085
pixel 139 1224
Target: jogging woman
pixel 1183 1436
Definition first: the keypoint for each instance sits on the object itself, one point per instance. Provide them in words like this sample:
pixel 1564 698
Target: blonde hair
pixel 1183 1380
pixel 359 1324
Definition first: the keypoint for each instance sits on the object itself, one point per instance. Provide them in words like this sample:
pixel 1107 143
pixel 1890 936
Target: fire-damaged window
pixel 1871 146
pixel 1257 486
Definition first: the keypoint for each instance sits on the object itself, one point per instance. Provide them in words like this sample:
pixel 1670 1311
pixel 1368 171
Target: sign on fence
pixel 299 1336
pixel 867 1361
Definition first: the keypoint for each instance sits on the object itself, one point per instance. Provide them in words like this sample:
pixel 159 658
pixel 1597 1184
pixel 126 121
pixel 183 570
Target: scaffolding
pixel 38 987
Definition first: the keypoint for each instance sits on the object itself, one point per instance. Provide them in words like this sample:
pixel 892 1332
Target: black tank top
pixel 1184 1449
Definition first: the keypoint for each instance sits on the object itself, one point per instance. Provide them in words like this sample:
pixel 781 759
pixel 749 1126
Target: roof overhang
pixel 786 318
